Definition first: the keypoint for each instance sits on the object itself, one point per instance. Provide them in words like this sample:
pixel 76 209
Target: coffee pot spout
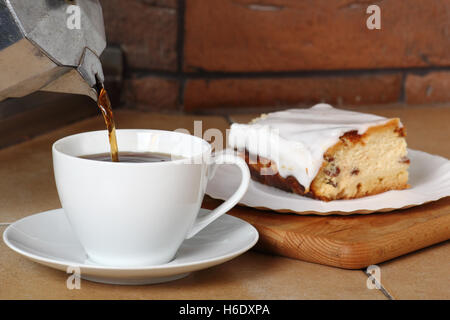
pixel 84 79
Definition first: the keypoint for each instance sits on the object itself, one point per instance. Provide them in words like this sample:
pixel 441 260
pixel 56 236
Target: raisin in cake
pixel 324 152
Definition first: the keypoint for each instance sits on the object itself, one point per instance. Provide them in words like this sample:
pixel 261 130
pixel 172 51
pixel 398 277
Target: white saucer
pixel 429 177
pixel 47 238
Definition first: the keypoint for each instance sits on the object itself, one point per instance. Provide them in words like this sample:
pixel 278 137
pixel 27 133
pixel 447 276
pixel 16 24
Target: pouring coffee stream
pixel 104 104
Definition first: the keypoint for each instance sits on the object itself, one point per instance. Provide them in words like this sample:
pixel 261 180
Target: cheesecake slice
pixel 324 153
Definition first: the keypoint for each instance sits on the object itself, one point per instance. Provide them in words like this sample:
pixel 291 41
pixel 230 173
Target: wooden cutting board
pixel 350 242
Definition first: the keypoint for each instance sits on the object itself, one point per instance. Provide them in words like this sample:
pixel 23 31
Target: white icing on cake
pixel 296 139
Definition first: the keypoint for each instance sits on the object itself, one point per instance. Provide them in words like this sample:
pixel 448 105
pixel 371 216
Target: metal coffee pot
pixel 50 45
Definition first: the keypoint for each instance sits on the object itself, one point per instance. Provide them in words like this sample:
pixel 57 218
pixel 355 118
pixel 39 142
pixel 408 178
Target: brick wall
pixel 215 55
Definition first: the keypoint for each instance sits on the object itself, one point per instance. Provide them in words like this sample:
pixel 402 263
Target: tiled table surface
pixel 27 187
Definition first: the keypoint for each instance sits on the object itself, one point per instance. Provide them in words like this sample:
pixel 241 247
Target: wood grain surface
pixel 349 242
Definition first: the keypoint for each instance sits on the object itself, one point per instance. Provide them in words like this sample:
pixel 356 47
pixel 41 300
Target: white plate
pixel 47 238
pixel 429 177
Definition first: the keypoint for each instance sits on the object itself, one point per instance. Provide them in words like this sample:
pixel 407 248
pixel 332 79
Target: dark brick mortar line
pixel 140 73
pixel 158 6
pixel 181 92
pixel 181 31
pixel 402 97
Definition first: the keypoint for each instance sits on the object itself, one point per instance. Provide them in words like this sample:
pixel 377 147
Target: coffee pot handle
pixel 223 158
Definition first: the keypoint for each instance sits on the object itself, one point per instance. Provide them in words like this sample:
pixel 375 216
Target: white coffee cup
pixel 138 214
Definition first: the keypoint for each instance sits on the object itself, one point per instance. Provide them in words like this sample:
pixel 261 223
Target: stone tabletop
pixel 27 187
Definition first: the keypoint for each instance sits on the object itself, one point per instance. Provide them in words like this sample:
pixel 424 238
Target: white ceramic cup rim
pixel 203 154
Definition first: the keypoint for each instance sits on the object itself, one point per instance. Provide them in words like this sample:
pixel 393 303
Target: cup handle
pixel 223 158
